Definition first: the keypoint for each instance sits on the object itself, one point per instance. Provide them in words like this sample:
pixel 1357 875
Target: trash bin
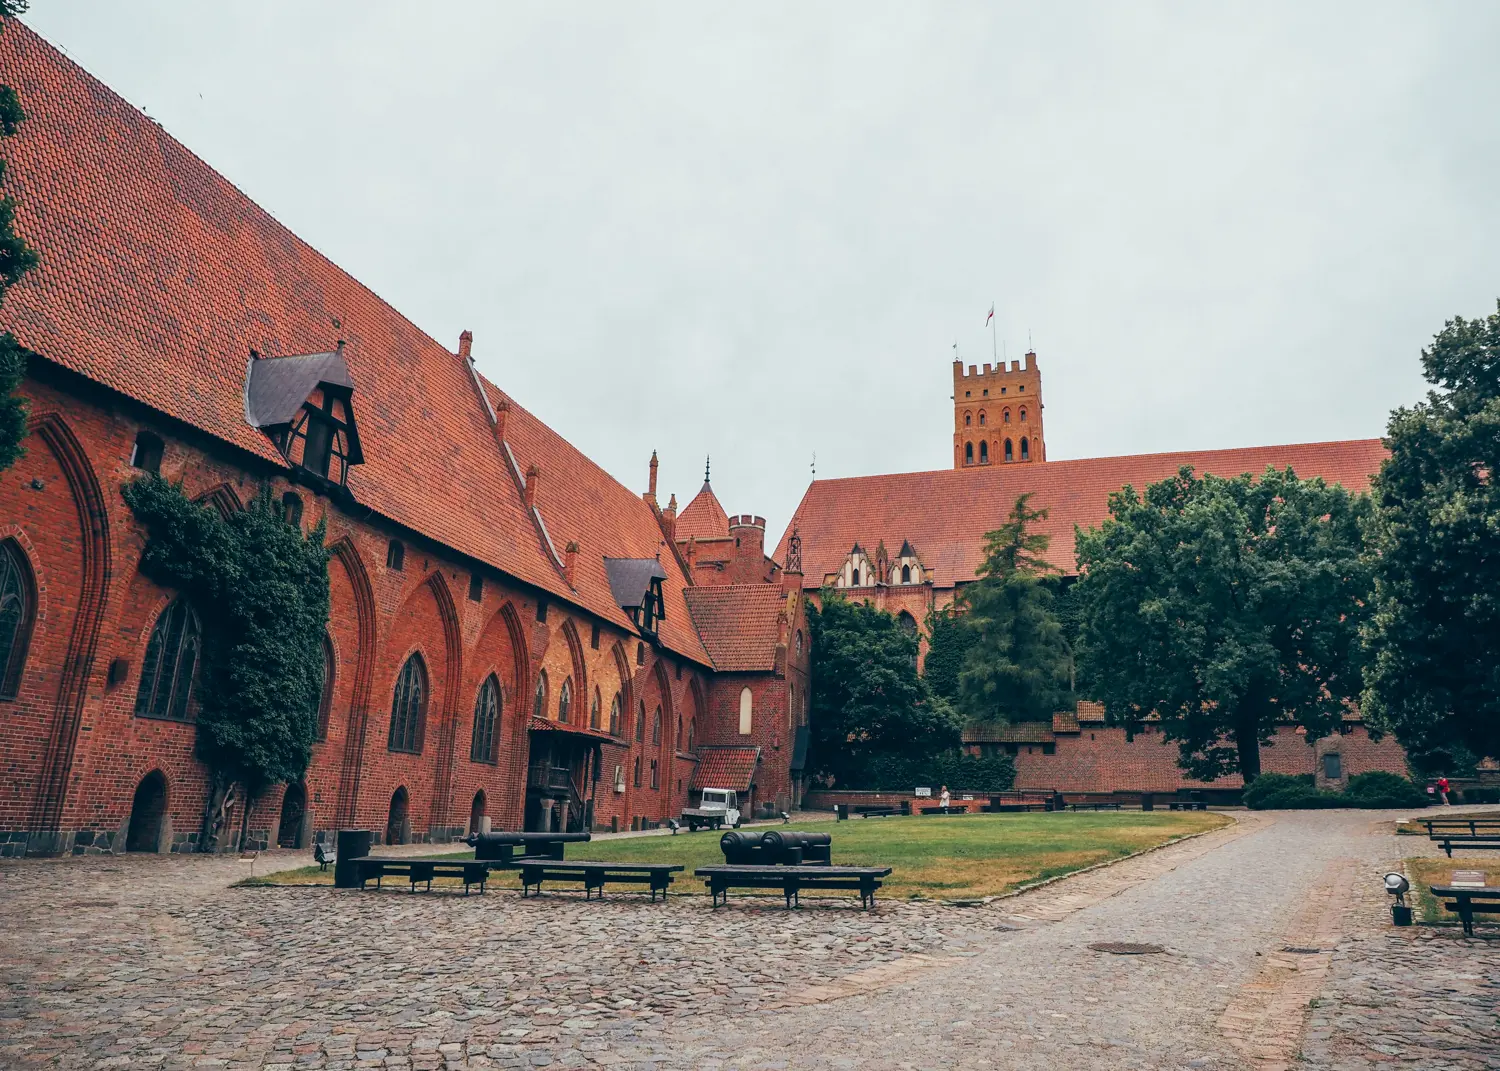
pixel 1146 802
pixel 352 844
pixel 842 810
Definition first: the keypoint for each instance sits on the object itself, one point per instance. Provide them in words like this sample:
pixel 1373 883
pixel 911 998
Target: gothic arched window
pixel 1023 414
pixel 906 574
pixel 967 419
pixel 747 712
pixel 565 699
pixel 640 721
pixel 614 715
pixel 408 705
pixel 984 453
pixel 170 668
pixel 486 717
pixel 594 711
pixel 325 697
pixel 1008 452
pixel 1025 449
pixel 1005 417
pixel 968 453
pixel 539 701
pixel 982 418
pixel 656 726
pixel 17 615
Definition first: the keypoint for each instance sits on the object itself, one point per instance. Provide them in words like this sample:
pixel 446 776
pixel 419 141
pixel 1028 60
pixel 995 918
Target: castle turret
pixel 997 414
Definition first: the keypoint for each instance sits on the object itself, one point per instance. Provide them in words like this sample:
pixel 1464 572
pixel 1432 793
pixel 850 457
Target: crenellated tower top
pixel 997 413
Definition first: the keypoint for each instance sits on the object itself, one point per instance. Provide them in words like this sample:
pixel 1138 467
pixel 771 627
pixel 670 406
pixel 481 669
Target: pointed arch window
pixel 983 418
pixel 656 726
pixel 614 715
pixel 691 731
pixel 678 743
pixel 747 712
pixel 967 419
pixel 539 701
pixel 594 711
pixel 486 719
pixel 1005 417
pixel 565 700
pixel 1008 451
pixel 906 574
pixel 170 669
pixel 1025 449
pixel 640 722
pixel 17 615
pixel 1023 414
pixel 984 453
pixel 408 707
pixel 325 696
pixel 968 453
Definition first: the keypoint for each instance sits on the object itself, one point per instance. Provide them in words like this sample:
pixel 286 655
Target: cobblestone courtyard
pixel 1278 953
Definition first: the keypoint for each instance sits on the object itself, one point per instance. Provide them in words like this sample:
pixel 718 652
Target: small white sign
pixel 925 793
pixel 967 796
pixel 1467 879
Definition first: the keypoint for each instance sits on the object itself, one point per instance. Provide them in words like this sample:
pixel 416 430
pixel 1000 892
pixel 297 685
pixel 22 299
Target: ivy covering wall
pixel 16 259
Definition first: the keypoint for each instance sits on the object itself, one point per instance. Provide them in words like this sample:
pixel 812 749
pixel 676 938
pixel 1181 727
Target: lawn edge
pixel 1044 882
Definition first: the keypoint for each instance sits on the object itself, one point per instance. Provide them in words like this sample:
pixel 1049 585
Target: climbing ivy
pixel 16 259
pixel 261 591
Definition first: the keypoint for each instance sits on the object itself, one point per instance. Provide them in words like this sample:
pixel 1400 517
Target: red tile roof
pixel 726 767
pixel 546 725
pixel 946 513
pixel 704 517
pixel 738 624
pixel 158 277
pixel 1020 732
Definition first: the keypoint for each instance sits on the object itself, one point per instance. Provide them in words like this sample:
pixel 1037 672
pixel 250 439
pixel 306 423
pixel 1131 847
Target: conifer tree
pixel 1017 667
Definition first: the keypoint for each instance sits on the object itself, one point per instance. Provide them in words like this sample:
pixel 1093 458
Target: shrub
pixel 960 772
pixel 1381 789
pixel 1274 784
pixel 1284 792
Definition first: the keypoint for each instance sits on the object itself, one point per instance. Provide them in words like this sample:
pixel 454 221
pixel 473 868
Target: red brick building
pixel 514 637
pixel 938 521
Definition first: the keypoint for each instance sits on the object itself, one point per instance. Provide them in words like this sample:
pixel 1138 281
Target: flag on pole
pixel 991 316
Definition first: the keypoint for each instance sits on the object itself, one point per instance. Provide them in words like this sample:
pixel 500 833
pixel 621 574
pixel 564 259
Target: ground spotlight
pixel 1398 887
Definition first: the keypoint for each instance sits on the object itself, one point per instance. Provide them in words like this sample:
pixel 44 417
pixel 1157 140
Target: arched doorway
pixel 293 811
pixel 146 813
pixel 477 812
pixel 398 825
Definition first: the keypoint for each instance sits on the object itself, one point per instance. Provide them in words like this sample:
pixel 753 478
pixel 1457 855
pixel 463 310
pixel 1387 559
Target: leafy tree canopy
pixel 1017 666
pixel 1433 676
pixel 16 259
pixel 1225 606
pixel 261 591
pixel 948 642
pixel 867 699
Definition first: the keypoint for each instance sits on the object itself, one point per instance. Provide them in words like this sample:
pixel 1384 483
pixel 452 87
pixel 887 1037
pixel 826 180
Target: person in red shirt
pixel 1443 789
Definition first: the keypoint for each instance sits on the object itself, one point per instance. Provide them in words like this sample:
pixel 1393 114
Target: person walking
pixel 944 799
pixel 1443 790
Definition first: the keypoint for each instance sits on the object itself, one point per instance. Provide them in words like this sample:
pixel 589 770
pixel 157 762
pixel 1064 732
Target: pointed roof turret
pixel 703 518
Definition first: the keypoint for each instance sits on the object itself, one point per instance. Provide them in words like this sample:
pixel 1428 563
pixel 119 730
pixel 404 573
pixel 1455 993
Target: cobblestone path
pixel 147 962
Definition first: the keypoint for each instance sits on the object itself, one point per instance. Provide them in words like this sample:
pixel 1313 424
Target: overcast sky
pixel 757 230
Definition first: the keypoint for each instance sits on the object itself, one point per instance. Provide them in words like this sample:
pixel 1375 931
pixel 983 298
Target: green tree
pixel 1225 606
pixel 1433 673
pixel 1017 667
pixel 948 642
pixel 261 590
pixel 16 259
pixel 867 700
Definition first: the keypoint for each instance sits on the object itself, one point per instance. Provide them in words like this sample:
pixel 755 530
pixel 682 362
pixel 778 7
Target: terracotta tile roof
pixel 738 624
pixel 1020 732
pixel 726 767
pixel 546 725
pixel 158 277
pixel 1090 711
pixel 1065 721
pixel 704 517
pixel 946 513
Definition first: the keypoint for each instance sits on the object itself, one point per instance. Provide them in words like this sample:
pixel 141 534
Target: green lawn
pixel 1427 871
pixel 957 857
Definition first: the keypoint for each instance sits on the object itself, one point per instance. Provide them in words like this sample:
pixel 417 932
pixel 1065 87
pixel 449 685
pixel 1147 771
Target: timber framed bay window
pixel 409 707
pixel 169 670
pixel 305 405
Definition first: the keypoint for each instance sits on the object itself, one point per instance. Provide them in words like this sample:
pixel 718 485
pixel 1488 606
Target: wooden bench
pixel 791 880
pixel 423 871
pixel 1094 806
pixel 1463 833
pixel 877 812
pixel 1187 805
pixel 1012 808
pixel 1466 902
pixel 594 875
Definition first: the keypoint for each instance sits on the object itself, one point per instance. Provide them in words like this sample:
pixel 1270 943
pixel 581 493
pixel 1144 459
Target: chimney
pixel 533 477
pixel 570 555
pixel 465 342
pixel 651 487
pixel 501 412
pixel 339 348
pixel 669 519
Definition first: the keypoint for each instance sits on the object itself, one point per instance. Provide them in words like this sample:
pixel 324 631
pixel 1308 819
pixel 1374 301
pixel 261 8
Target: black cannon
pixel 502 847
pixel 775 847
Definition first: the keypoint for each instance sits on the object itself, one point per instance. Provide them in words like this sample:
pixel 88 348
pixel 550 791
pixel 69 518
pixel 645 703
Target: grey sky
pixel 756 231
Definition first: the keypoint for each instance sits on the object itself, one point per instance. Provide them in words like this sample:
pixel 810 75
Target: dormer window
pixel 305 405
pixel 637 587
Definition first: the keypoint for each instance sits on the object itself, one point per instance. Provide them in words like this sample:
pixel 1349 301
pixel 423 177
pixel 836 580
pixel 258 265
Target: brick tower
pixel 997 414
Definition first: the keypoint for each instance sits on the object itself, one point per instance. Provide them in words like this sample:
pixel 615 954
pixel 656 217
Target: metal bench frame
pixel 594 875
pixel 1461 901
pixel 791 880
pixel 1448 833
pixel 423 870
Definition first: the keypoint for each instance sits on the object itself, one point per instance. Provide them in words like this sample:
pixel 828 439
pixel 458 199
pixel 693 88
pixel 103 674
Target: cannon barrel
pixel 735 840
pixel 777 841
